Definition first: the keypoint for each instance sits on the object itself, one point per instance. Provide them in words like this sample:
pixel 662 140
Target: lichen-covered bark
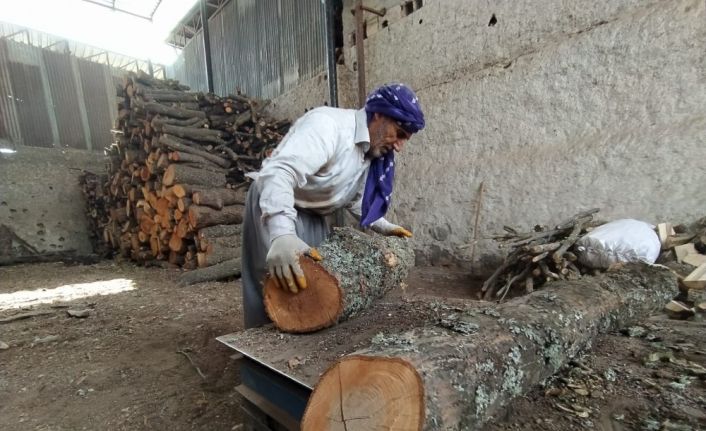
pixel 366 266
pixel 474 361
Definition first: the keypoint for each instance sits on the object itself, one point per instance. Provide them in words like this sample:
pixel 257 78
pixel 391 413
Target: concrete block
pixel 41 200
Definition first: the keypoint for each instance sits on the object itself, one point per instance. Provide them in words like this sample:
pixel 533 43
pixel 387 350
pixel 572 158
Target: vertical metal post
pixel 331 53
pixel 150 68
pixel 360 51
pixel 206 45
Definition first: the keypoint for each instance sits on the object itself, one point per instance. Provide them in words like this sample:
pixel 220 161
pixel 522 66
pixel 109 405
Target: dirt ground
pixel 128 365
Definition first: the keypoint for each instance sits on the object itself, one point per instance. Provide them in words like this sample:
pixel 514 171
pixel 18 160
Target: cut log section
pixel 218 198
pixel 208 244
pixel 229 268
pixel 474 361
pixel 181 145
pixel 217 254
pixel 200 217
pixel 356 270
pixel 206 135
pixel 393 383
pixel 158 108
pixel 177 173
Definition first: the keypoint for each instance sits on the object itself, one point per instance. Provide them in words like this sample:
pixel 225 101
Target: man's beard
pixel 375 152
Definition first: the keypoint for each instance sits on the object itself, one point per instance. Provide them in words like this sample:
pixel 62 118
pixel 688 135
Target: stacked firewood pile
pixel 539 257
pixel 177 184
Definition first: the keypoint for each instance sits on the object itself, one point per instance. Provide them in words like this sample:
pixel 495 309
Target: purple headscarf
pixel 398 102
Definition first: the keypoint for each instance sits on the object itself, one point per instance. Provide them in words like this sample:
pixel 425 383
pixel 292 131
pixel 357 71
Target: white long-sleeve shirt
pixel 319 166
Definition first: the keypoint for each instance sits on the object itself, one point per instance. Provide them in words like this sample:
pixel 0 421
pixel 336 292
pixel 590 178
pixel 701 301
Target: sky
pixel 101 27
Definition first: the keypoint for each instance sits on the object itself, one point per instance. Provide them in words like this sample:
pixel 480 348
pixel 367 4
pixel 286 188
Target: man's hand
pixel 386 228
pixel 283 261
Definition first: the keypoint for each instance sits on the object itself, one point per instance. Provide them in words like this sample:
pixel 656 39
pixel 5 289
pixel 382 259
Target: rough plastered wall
pixel 41 200
pixel 314 93
pixel 555 106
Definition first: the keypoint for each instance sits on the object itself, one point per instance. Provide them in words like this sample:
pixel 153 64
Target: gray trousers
pixel 311 228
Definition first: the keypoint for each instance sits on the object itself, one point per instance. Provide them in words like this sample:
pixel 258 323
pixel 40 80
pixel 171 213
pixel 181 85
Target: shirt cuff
pixel 279 224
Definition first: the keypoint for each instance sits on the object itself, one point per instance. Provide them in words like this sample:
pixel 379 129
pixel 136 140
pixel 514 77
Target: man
pixel 330 159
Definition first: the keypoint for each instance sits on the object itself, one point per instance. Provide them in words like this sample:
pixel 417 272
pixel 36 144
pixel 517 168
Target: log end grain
pixel 367 393
pixel 316 307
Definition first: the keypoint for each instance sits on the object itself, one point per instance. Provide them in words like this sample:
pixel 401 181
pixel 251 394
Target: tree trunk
pixel 177 173
pixel 200 217
pixel 457 370
pixel 356 270
pixel 218 198
pixel 229 268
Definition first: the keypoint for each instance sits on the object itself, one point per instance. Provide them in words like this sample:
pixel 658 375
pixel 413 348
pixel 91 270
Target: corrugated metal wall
pixel 261 47
pixel 95 99
pixel 25 66
pixel 186 70
pixel 65 97
pixel 9 123
pixel 50 98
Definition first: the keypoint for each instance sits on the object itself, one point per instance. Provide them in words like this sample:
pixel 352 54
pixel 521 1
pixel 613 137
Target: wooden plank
pixel 664 230
pixel 683 250
pixel 697 278
pixel 695 259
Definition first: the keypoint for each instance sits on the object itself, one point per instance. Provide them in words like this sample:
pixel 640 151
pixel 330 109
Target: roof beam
pixel 118 9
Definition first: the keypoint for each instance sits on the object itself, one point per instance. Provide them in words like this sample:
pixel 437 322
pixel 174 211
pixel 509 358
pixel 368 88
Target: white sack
pixel 625 240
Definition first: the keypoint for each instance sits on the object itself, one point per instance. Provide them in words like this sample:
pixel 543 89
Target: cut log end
pixel 367 393
pixel 316 307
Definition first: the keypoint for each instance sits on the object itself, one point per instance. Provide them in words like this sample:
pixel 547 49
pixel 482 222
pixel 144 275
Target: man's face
pixel 385 136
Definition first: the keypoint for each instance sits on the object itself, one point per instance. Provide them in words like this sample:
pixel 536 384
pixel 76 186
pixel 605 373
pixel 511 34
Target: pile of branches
pixel 177 166
pixel 539 257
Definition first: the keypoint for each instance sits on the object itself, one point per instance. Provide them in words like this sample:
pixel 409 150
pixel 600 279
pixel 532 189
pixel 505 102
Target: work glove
pixel 283 261
pixel 384 227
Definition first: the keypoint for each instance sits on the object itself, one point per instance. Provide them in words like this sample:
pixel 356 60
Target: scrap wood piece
pixel 664 231
pixel 23 316
pixel 681 251
pixel 191 361
pixel 697 278
pixel 511 353
pixel 357 269
pixel 695 259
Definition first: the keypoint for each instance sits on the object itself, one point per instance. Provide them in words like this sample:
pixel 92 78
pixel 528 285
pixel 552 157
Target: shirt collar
pixel 362 136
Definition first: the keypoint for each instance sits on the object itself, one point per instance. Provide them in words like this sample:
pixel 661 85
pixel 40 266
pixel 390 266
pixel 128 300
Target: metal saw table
pixel 279 371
